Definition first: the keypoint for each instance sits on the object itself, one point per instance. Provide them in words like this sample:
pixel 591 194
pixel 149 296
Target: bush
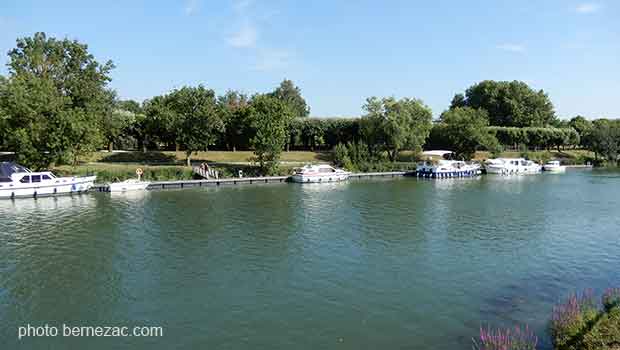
pixel 611 299
pixel 605 334
pixel 571 318
pixel 341 156
pixel 111 174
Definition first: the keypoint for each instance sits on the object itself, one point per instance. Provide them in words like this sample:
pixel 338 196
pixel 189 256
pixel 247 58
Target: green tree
pixel 605 139
pixel 270 119
pixel 158 125
pixel 584 127
pixel 195 117
pixel 3 115
pixel 53 99
pixel 392 125
pixel 290 94
pixel 115 121
pixel 234 108
pixel 466 131
pixel 137 126
pixel 507 103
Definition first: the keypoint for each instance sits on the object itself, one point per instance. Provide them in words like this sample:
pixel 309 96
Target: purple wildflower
pixel 507 339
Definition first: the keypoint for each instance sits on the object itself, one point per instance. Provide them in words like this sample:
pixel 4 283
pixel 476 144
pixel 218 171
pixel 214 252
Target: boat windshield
pixel 9 168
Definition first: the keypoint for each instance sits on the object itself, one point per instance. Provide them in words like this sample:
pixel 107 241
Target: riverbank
pixel 169 165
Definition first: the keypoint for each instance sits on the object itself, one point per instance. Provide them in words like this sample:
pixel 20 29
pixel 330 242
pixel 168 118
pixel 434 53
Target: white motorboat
pixel 319 173
pixel 131 184
pixel 17 181
pixel 508 166
pixel 445 168
pixel 128 185
pixel 554 166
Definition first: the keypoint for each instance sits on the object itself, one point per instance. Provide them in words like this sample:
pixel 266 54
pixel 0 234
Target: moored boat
pixel 128 185
pixel 445 168
pixel 17 181
pixel 509 166
pixel 554 166
pixel 319 173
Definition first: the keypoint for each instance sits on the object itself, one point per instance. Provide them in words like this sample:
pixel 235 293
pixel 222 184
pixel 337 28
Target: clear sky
pixel 340 52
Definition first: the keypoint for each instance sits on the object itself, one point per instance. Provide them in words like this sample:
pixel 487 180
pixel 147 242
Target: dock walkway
pixel 244 180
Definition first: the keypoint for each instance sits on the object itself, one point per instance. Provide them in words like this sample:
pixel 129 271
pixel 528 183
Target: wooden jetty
pixel 245 181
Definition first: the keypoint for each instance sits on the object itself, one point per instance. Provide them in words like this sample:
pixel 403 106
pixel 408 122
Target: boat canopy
pixel 9 168
pixel 436 153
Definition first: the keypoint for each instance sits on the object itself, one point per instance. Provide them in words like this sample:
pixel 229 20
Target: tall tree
pixel 605 139
pixel 234 107
pixel 511 103
pixel 137 125
pixel 195 117
pixel 3 115
pixel 115 121
pixel 392 125
pixel 270 119
pixel 583 127
pixel 157 122
pixel 465 130
pixel 290 94
pixel 54 98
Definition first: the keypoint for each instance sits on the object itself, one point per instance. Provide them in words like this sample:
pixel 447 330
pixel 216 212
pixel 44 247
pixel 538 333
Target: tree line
pixel 56 105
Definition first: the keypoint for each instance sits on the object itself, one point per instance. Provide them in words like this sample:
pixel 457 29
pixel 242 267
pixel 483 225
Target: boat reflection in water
pixel 49 205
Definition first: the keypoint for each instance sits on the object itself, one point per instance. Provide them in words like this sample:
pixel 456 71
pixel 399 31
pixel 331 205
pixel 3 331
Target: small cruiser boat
pixel 445 168
pixel 320 173
pixel 130 185
pixel 508 166
pixel 18 181
pixel 554 166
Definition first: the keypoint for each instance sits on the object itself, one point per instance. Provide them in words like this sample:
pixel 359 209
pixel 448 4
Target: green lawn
pixel 170 157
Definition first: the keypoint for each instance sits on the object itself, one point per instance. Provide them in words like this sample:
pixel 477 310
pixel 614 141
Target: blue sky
pixel 340 52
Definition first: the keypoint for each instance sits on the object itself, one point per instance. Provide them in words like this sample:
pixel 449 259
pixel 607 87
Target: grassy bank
pixel 170 157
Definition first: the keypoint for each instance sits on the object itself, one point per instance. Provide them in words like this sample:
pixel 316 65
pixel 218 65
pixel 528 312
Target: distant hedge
pixel 513 137
pixel 535 137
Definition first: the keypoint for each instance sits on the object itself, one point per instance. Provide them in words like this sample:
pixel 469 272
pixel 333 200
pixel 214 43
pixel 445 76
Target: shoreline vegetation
pixel 170 165
pixel 57 111
pixel 580 322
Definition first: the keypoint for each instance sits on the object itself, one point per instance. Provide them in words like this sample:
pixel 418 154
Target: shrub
pixel 341 155
pixel 572 318
pixel 605 334
pixel 506 339
pixel 611 298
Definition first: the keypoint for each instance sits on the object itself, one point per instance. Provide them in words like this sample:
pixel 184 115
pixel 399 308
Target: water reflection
pixel 57 204
pixel 130 196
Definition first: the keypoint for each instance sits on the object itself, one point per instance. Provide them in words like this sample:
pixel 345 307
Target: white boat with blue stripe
pixel 17 181
pixel 319 173
pixel 437 165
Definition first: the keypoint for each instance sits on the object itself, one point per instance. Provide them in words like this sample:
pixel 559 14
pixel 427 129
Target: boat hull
pixel 511 171
pixel 43 189
pixel 300 178
pixel 555 169
pixel 128 186
pixel 447 174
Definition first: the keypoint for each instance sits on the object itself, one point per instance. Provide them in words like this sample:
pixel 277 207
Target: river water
pixel 366 264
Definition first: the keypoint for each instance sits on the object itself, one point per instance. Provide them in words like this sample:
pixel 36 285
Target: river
pixel 365 264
